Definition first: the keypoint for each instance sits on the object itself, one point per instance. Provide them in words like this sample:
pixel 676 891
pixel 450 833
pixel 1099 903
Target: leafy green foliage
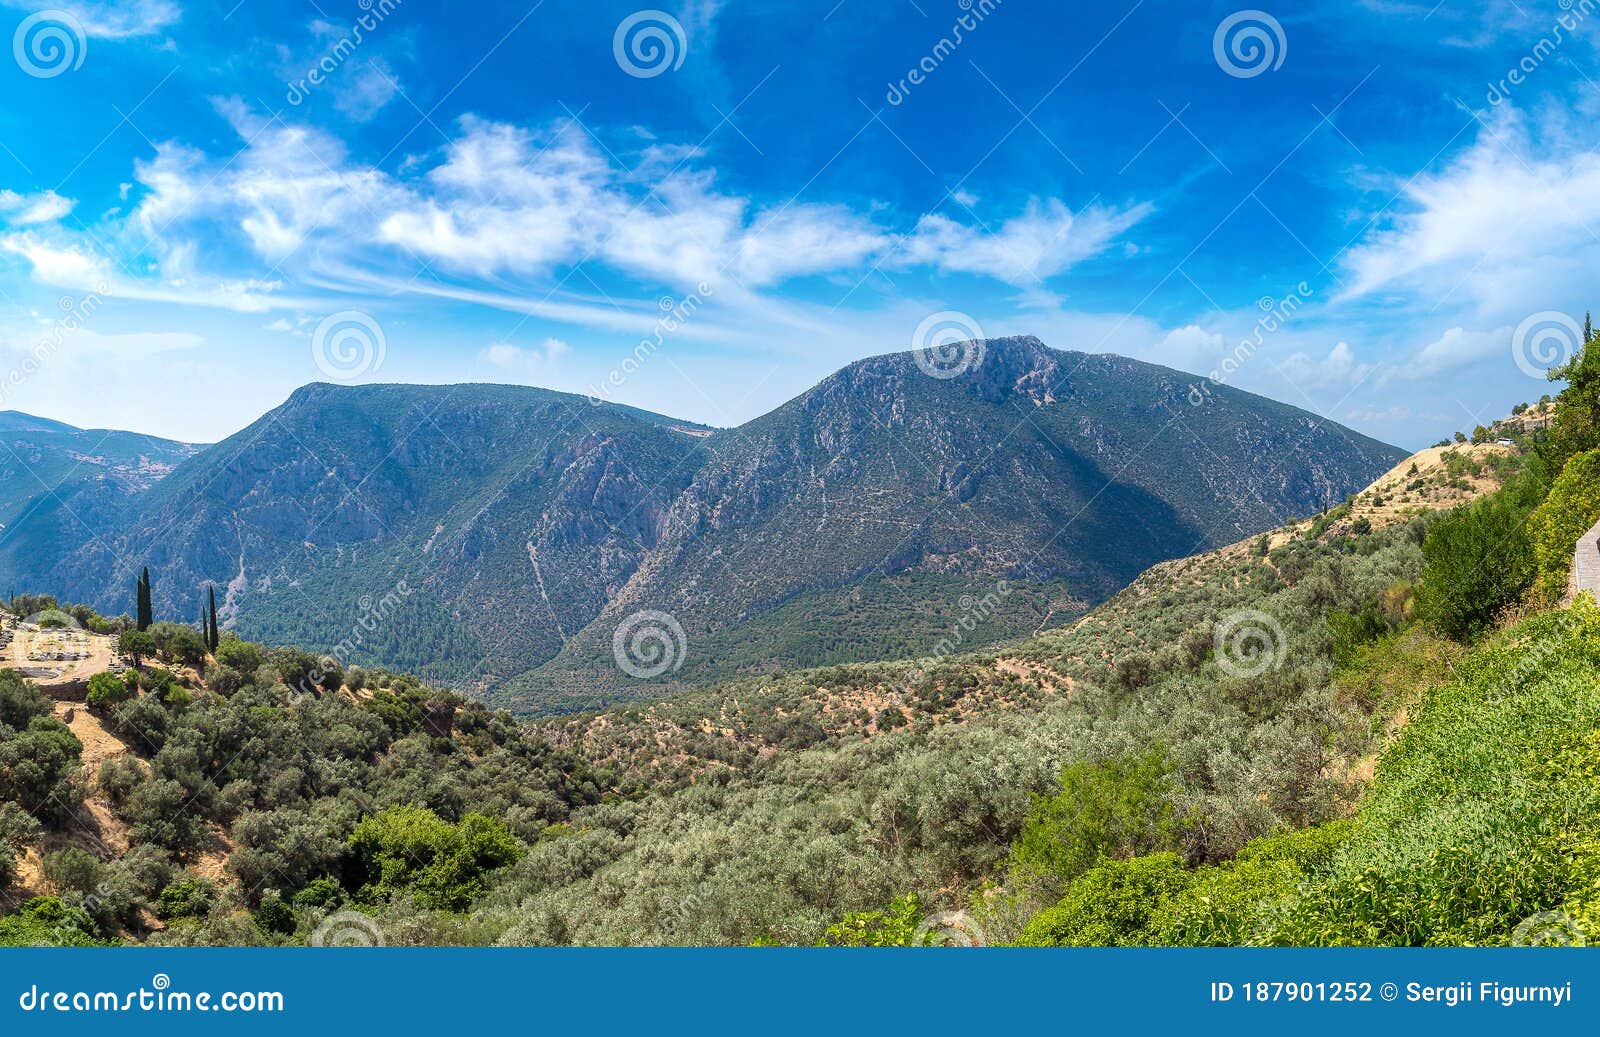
pixel 20 701
pixel 18 829
pixel 1477 562
pixel 408 848
pixel 137 645
pixel 896 925
pixel 1112 905
pixel 47 922
pixel 39 766
pixel 106 690
pixel 187 898
pixel 1554 527
pixel 1116 808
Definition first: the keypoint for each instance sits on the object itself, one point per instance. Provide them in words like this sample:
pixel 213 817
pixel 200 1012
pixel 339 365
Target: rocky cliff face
pixel 510 531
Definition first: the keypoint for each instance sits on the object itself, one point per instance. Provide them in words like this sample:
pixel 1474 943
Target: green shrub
pixel 1111 905
pixel 47 922
pixel 273 917
pixel 1566 514
pixel 893 926
pixel 190 897
pixel 1483 810
pixel 1236 904
pixel 243 656
pixel 408 848
pixel 106 690
pixel 1476 563
pixel 20 701
pixel 1116 808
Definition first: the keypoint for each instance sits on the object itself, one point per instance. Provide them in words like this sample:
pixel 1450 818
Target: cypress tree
pixel 213 638
pixel 146 616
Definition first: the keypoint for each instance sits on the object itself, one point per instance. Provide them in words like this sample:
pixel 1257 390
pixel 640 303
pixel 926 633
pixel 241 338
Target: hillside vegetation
pixel 508 532
pixel 1374 727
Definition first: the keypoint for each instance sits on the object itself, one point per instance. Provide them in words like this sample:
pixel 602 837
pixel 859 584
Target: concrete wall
pixel 1586 564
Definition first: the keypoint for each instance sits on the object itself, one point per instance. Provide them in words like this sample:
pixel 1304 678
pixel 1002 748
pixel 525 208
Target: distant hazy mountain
pixel 497 536
pixel 61 485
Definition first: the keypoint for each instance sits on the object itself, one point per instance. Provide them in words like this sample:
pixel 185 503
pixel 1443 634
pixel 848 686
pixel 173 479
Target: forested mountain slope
pixel 495 538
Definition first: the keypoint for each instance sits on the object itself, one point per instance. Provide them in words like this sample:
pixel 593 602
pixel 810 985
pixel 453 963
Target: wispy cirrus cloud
pixel 1515 217
pixel 120 19
pixel 506 207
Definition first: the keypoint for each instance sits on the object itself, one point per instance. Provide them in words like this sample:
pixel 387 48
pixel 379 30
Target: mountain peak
pixel 17 421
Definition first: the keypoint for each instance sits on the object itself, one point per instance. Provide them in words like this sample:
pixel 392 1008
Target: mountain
pixel 60 485
pixel 876 514
pixel 497 537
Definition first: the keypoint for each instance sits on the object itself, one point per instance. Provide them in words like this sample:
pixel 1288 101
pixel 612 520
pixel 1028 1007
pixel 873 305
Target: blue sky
pixel 1350 207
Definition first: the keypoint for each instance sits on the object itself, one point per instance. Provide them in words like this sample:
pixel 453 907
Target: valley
pixel 850 524
pixel 1218 752
pixel 815 793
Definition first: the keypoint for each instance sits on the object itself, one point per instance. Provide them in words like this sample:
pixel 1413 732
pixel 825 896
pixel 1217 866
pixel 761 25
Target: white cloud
pixel 524 360
pixel 22 210
pixel 1458 348
pixel 1045 240
pixel 1189 348
pixel 504 206
pixel 366 89
pixel 1339 369
pixel 116 20
pixel 1510 226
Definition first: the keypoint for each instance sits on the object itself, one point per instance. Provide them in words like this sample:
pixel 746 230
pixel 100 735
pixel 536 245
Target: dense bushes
pixel 1482 814
pixel 408 848
pixel 1477 562
pixel 1571 508
pixel 1119 808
